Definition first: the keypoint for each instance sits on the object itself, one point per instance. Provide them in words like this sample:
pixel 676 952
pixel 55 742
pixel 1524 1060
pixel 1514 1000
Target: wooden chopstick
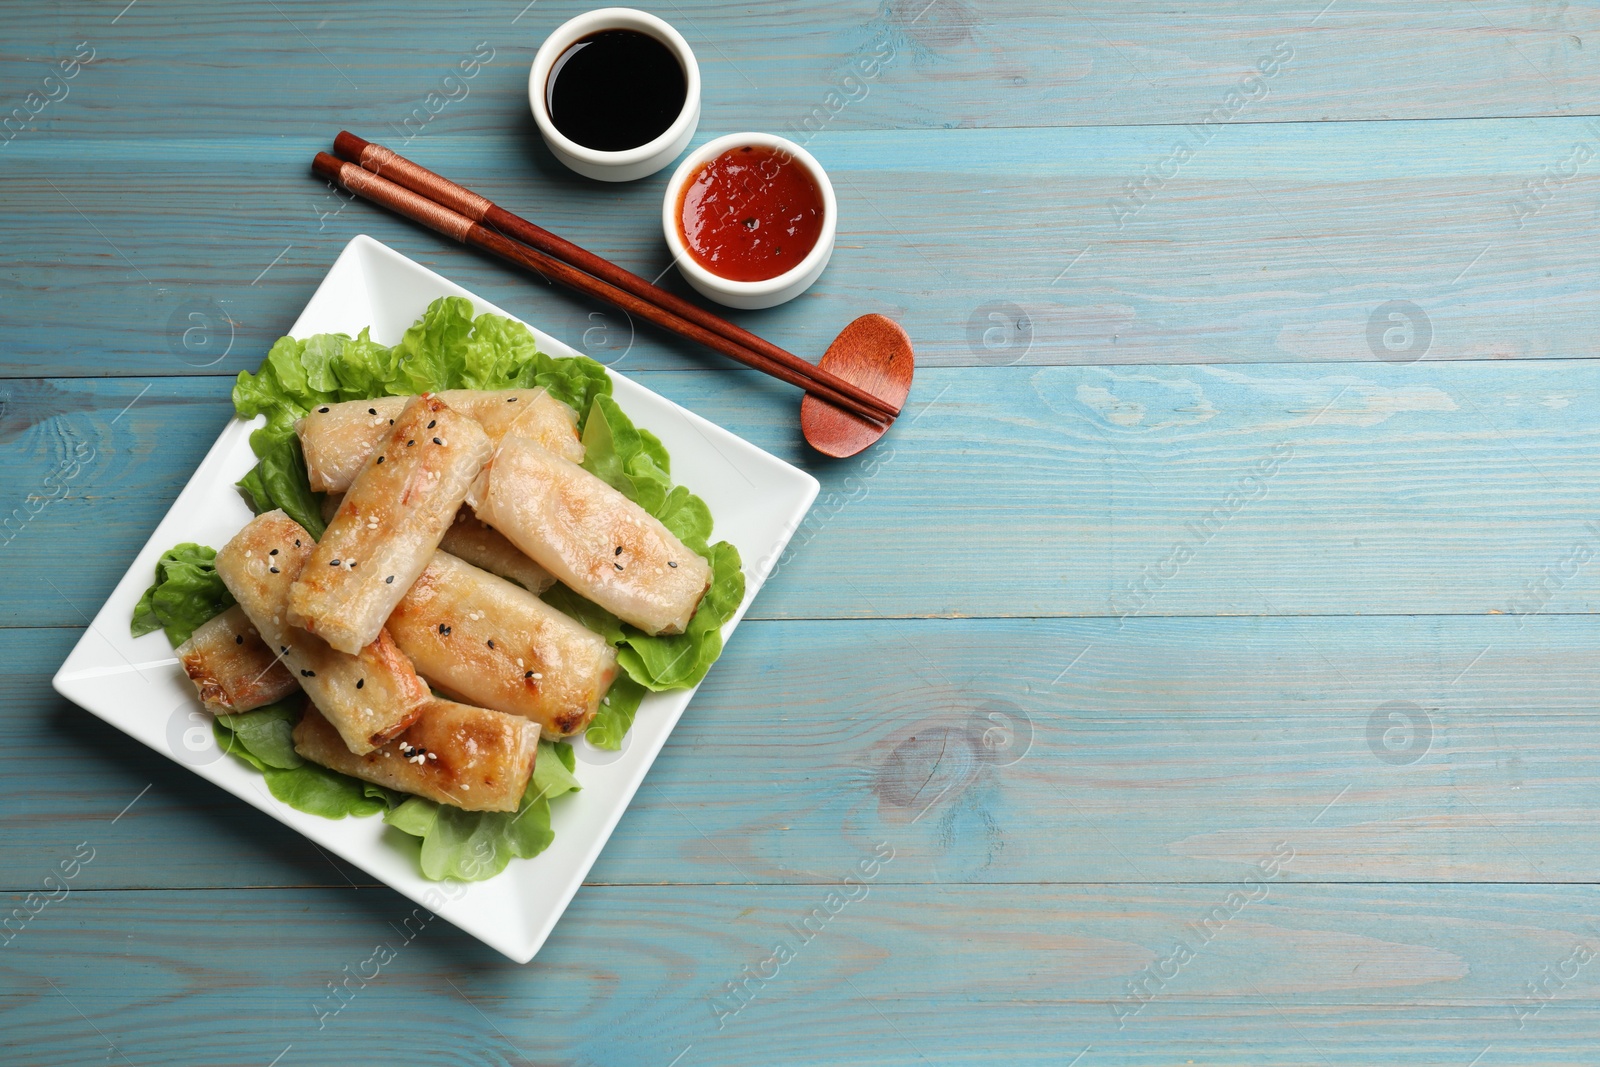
pixel 396 168
pixel 417 208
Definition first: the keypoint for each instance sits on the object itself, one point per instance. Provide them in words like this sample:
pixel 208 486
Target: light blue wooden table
pixel 1213 647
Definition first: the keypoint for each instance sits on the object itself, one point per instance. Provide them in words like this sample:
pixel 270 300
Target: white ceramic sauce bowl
pixel 634 163
pixel 750 295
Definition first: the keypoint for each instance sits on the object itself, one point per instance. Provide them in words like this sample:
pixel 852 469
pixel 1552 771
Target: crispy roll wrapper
pixel 369 697
pixel 483 546
pixel 473 758
pixel 232 667
pixel 480 544
pixel 389 524
pixel 498 645
pixel 338 438
pixel 601 544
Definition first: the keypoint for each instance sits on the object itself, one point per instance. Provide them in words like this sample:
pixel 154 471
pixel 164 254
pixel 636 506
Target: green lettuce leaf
pixel 262 738
pixel 433 351
pixel 266 733
pixel 668 662
pixel 634 462
pixel 682 660
pixel 615 717
pixel 445 349
pixel 280 481
pixel 184 596
pixel 630 460
pixel 473 845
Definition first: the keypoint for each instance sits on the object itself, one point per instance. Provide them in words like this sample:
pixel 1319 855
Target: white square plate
pixel 135 684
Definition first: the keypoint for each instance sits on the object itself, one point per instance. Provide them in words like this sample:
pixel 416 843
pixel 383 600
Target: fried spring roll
pixel 232 667
pixel 530 413
pixel 472 539
pixel 473 758
pixel 369 697
pixel 338 438
pixel 389 524
pixel 601 544
pixel 483 546
pixel 499 646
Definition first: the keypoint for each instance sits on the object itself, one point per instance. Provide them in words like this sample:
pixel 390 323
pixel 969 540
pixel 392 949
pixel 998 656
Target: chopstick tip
pixel 348 146
pixel 326 166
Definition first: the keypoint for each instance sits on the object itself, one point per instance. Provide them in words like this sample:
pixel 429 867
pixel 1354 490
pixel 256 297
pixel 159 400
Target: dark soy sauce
pixel 615 90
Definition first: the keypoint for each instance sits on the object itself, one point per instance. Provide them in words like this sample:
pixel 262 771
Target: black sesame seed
pixel 491 642
pixel 308 674
pixel 274 570
pixel 323 410
pixel 335 563
pixel 618 552
pixel 238 639
pixel 360 682
pixel 410 443
pixel 274 552
pixel 352 564
pixel 511 400
pixel 432 423
pixel 671 564
pixel 380 459
pixel 437 441
pixel 443 629
pixel 391 422
pixel 389 580
pixel 297 542
pixel 617 565
pixel 372 411
pixel 529 674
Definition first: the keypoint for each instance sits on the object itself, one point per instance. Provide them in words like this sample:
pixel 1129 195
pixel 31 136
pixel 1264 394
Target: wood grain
pixel 1393 749
pixel 1302 975
pixel 1134 597
pixel 1435 488
pixel 1274 243
pixel 947 63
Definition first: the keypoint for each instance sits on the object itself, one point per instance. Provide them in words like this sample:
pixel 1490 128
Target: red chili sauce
pixel 750 214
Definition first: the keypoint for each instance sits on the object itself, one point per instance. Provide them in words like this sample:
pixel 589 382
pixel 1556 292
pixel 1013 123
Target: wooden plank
pixel 1389 749
pixel 942 63
pixel 1274 243
pixel 1434 488
pixel 902 975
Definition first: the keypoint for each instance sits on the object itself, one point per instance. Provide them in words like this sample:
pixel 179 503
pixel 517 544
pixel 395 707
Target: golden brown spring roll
pixel 338 438
pixel 232 667
pixel 369 697
pixel 530 413
pixel 473 758
pixel 483 546
pixel 499 646
pixel 480 544
pixel 601 544
pixel 389 524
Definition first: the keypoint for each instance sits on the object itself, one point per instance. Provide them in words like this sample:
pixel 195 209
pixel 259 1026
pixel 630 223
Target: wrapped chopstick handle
pixel 418 208
pixel 396 198
pixel 397 168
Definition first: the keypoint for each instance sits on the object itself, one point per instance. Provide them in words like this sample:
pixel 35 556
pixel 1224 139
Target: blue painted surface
pixel 1216 666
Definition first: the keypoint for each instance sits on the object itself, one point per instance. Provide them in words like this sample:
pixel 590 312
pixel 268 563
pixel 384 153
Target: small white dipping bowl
pixel 764 294
pixel 633 163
